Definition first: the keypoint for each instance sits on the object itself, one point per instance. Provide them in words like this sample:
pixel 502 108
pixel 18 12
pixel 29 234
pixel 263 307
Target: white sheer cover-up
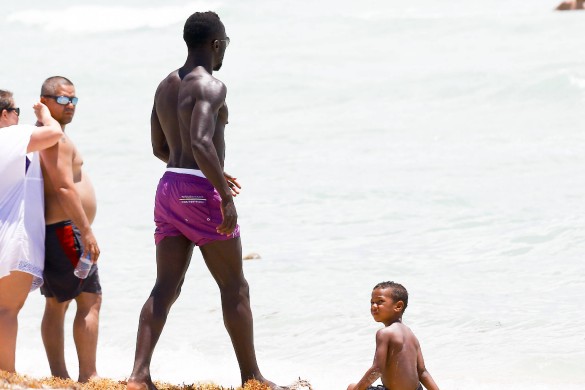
pixel 22 215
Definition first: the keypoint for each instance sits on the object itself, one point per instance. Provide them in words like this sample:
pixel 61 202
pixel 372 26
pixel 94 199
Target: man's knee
pixel 167 293
pixel 237 290
pixel 54 306
pixel 88 303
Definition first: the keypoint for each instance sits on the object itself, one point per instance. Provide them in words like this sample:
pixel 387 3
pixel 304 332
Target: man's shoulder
pixel 65 147
pixel 200 78
pixel 172 80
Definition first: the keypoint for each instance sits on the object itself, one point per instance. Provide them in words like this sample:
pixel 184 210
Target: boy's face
pixel 383 308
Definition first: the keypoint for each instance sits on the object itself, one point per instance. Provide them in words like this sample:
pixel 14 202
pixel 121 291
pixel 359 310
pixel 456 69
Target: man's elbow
pixel 201 146
pixel 56 133
pixel 63 190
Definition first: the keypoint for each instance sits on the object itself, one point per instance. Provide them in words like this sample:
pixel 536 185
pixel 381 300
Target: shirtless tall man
pixel 194 202
pixel 70 208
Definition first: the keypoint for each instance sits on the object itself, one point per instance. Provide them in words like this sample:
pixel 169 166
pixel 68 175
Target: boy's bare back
pixel 398 351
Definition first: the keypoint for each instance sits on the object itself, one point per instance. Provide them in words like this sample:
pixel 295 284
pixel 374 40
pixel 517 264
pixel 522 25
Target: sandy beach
pixel 23 382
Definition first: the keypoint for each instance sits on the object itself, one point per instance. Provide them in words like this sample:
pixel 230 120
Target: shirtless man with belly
pixel 70 208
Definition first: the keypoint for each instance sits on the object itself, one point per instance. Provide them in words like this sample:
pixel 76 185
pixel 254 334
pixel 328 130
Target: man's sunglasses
pixel 226 40
pixel 15 109
pixel 63 100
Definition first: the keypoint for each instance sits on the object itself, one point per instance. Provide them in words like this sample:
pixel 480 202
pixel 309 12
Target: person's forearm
pixel 207 160
pixel 427 380
pixel 369 377
pixel 71 203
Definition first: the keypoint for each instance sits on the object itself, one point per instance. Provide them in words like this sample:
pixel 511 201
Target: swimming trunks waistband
pixel 186 171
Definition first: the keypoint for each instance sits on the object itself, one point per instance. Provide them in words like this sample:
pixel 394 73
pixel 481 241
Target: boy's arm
pixel 423 375
pixel 374 372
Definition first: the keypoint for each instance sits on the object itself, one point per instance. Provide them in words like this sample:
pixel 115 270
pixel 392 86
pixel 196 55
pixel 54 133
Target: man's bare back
pixel 175 94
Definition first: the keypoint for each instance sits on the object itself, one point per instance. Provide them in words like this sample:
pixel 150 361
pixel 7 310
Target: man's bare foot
pixel 273 386
pixel 84 379
pixel 135 384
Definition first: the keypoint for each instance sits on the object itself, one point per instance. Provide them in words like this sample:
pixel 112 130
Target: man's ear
pixel 216 44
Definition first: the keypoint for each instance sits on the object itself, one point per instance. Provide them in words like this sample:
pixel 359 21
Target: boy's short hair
pixel 398 292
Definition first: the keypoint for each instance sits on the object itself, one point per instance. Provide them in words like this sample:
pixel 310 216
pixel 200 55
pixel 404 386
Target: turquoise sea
pixel 437 144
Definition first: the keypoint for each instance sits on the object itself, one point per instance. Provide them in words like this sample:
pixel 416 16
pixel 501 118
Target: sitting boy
pixel 398 358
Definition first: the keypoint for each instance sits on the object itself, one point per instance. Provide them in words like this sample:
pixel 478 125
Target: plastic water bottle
pixel 83 267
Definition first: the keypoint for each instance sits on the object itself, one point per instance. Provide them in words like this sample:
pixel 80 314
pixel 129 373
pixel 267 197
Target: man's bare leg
pixel 173 255
pixel 85 333
pixel 14 289
pixel 224 261
pixel 52 330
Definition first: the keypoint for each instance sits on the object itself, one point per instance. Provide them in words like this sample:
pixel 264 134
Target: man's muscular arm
pixel 210 97
pixel 58 165
pixel 160 148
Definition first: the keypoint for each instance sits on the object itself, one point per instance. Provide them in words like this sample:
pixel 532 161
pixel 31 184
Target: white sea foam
pixel 98 19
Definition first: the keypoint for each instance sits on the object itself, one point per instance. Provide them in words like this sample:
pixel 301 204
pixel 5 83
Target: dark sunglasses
pixel 63 100
pixel 226 40
pixel 15 109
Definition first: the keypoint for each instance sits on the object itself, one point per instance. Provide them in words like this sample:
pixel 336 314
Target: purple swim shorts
pixel 188 205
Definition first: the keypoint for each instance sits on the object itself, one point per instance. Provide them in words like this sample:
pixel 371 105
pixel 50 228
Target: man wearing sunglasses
pixel 194 203
pixel 70 208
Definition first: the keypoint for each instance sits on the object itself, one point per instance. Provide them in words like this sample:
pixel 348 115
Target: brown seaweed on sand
pixel 21 382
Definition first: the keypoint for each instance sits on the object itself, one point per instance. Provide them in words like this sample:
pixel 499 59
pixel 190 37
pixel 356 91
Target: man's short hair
pixel 50 85
pixel 201 28
pixel 398 292
pixel 6 100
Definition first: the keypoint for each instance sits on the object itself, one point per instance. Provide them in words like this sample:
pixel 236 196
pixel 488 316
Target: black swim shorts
pixel 62 251
pixel 380 387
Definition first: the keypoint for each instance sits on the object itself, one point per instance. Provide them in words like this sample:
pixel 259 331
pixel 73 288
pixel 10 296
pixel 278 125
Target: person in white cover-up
pixel 22 222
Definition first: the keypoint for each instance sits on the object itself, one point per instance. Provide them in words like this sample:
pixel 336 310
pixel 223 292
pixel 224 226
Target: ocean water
pixel 437 144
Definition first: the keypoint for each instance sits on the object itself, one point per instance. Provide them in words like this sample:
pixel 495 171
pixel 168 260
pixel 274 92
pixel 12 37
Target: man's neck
pixel 197 58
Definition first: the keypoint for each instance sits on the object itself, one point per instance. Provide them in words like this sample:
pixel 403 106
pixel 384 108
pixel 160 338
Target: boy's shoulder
pixel 393 328
pixel 396 332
